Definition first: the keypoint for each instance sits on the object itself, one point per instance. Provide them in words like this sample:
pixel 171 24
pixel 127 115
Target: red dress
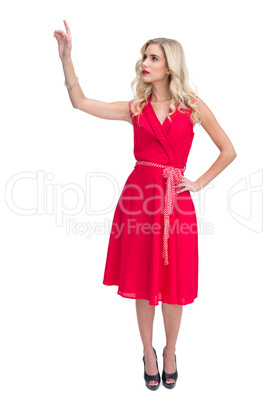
pixel 135 257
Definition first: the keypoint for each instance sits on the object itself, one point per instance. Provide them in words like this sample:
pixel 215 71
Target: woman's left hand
pixel 187 185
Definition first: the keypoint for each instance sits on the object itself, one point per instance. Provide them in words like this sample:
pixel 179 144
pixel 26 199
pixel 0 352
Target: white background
pixel 64 335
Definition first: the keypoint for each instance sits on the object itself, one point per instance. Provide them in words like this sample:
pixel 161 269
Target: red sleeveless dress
pixel 153 254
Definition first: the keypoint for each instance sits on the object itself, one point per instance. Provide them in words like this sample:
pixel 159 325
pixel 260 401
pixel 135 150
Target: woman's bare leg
pixel 172 314
pixel 145 316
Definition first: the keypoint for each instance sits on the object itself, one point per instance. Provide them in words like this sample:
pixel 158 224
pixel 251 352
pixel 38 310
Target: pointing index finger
pixel 67 26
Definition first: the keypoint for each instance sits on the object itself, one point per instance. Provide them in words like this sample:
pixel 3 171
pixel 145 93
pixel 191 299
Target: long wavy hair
pixel 183 97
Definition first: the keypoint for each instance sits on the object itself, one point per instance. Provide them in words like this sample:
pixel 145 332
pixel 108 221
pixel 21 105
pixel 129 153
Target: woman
pixel 153 248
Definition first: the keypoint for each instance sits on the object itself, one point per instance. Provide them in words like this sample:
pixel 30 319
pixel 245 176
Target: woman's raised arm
pixel 104 110
pixel 64 40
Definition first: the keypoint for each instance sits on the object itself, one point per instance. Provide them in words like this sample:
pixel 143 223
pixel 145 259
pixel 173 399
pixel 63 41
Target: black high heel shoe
pixel 166 376
pixel 149 378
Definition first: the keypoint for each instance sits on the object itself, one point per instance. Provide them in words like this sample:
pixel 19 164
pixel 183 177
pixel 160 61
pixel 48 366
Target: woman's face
pixel 154 62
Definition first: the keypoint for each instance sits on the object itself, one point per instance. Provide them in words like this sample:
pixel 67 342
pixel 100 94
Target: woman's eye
pixel 153 57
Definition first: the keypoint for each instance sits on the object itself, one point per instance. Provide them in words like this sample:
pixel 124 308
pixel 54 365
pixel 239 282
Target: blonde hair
pixel 179 87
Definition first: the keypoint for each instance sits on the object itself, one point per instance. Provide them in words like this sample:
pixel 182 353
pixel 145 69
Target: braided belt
pixel 174 177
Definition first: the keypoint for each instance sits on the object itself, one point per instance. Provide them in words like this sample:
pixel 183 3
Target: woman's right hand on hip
pixel 64 41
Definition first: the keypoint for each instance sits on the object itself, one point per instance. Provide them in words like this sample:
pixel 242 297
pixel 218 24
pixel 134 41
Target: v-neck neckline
pixel 166 119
